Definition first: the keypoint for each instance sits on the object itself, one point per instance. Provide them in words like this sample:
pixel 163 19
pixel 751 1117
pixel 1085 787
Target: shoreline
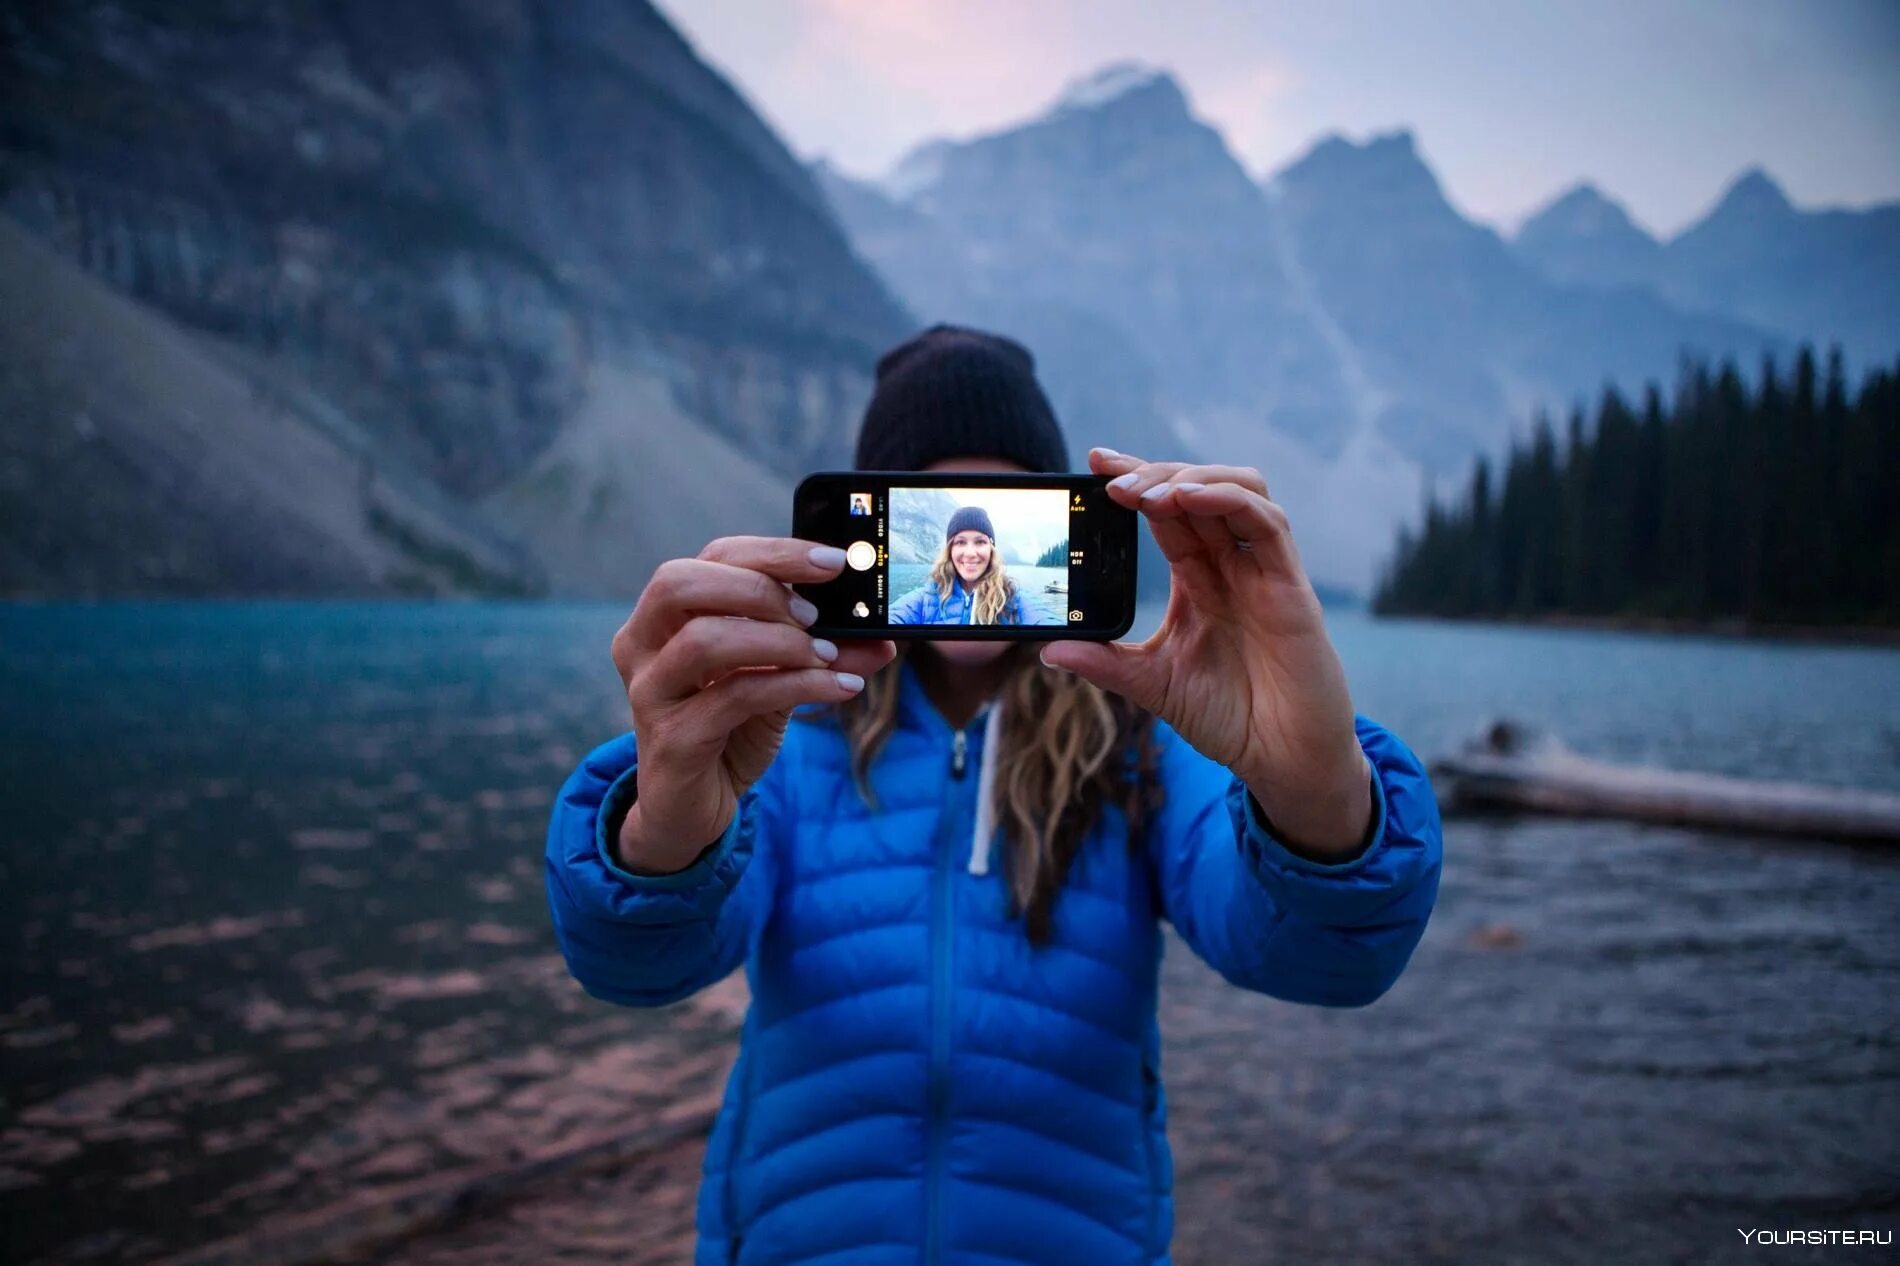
pixel 1873 635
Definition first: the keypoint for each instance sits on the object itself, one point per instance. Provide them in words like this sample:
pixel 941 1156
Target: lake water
pixel 276 934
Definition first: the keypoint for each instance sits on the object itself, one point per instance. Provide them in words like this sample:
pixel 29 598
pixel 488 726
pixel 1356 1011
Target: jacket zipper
pixel 735 1231
pixel 1149 1080
pixel 945 909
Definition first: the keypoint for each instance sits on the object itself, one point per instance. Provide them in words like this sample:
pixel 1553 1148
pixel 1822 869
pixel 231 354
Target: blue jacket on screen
pixel 925 605
pixel 915 1082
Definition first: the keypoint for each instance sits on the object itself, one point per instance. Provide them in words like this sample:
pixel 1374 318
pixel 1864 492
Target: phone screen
pixel 969 556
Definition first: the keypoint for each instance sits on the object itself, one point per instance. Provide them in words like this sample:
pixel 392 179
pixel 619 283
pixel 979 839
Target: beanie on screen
pixel 956 392
pixel 969 518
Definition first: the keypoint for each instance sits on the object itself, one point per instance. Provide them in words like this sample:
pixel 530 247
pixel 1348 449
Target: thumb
pixel 1115 666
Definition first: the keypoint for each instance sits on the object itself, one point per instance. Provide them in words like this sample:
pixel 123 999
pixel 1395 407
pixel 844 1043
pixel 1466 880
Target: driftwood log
pixel 1510 766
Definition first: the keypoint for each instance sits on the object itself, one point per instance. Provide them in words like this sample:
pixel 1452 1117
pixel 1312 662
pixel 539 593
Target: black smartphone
pixel 963 556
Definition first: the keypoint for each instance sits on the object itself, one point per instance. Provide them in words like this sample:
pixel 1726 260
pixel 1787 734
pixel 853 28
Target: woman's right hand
pixel 715 657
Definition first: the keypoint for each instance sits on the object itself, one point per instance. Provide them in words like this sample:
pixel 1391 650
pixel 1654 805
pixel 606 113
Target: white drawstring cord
pixel 985 784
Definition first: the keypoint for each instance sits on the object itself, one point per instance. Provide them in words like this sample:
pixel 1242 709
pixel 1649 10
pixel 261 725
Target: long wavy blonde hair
pixel 1066 748
pixel 989 596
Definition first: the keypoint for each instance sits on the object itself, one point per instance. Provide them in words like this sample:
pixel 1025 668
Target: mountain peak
pixel 1754 193
pixel 917 170
pixel 1385 166
pixel 1584 197
pixel 1397 144
pixel 1581 212
pixel 1119 81
pixel 1392 150
pixel 1126 104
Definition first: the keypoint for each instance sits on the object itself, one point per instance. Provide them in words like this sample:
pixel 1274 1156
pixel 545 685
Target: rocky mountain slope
pixel 1458 337
pixel 169 467
pixel 460 227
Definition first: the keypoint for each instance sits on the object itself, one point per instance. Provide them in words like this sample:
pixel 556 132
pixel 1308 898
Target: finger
pixel 1130 669
pixel 1245 476
pixel 865 658
pixel 708 647
pixel 755 588
pixel 787 558
pixel 723 707
pixel 1225 514
pixel 1139 487
pixel 1128 487
pixel 1143 477
pixel 1145 490
pixel 1180 545
pixel 1105 461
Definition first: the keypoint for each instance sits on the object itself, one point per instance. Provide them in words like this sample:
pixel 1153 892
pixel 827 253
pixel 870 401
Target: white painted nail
pixel 1159 490
pixel 850 681
pixel 827 649
pixel 1125 481
pixel 803 611
pixel 827 556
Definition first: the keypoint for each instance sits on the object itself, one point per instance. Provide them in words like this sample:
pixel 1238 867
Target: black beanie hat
pixel 969 518
pixel 956 392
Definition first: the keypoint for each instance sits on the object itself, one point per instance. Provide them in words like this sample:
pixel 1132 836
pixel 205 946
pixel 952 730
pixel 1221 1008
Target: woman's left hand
pixel 1241 666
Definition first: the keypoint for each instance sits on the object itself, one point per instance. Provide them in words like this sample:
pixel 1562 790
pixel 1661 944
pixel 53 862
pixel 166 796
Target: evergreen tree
pixel 1780 503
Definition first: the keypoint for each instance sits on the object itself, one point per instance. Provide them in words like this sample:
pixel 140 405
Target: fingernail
pixel 1159 490
pixel 1189 487
pixel 1106 452
pixel 827 649
pixel 1125 481
pixel 849 681
pixel 803 611
pixel 827 556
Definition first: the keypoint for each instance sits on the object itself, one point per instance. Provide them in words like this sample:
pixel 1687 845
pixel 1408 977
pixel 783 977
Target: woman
pixel 968 582
pixel 945 881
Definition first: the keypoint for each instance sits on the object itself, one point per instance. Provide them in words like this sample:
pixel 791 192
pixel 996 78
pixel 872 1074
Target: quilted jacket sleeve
pixel 1274 922
pixel 647 940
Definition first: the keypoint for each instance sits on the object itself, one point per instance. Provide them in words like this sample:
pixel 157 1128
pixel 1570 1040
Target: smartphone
pixel 955 556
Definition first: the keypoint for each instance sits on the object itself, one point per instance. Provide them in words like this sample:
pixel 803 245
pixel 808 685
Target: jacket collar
pixel 914 705
pixel 985 730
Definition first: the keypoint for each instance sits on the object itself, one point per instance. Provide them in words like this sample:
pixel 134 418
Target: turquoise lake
pixel 276 932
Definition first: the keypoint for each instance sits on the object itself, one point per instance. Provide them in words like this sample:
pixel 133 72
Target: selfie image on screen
pixel 979 555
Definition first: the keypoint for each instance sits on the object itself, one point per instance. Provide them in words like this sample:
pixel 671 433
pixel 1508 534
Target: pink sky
pixel 1660 103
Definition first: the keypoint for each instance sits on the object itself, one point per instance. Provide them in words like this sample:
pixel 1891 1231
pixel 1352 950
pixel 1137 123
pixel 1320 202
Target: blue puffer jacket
pixel 917 1084
pixel 926 605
